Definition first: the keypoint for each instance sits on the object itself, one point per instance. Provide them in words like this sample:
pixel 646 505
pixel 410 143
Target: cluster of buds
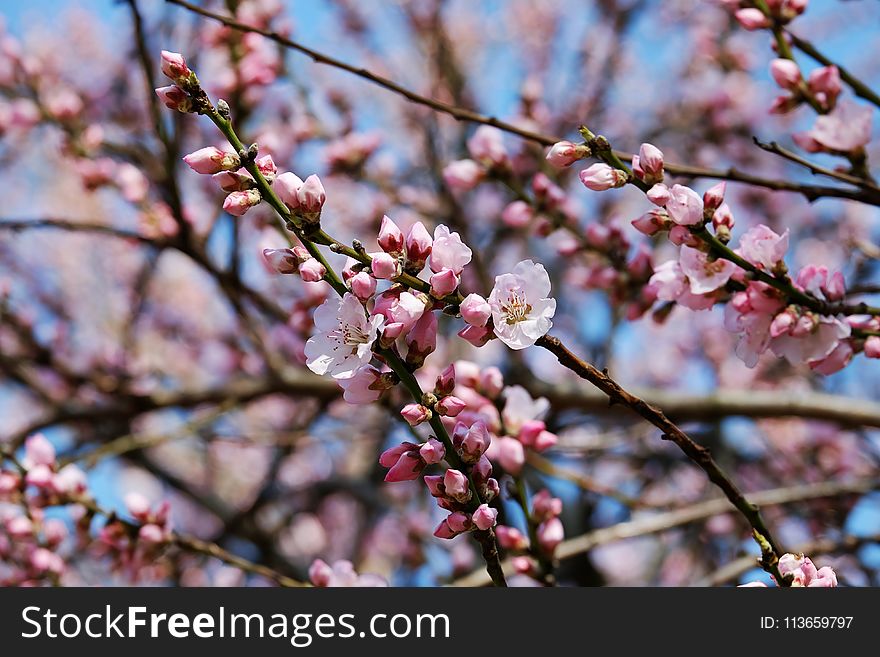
pixel 452 492
pixel 44 481
pixel 178 96
pixel 822 85
pixel 134 546
pixel 548 531
pixel 29 544
pixel 295 260
pixel 778 12
pixel 800 572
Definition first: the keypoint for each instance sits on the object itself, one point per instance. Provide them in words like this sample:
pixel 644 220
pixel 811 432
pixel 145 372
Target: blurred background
pixel 142 334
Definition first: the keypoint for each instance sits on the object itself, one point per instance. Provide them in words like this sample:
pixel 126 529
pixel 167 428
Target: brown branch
pixel 695 452
pixel 659 522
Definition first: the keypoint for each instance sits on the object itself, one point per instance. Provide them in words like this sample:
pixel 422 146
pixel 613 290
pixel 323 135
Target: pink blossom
pixel 311 195
pixel 472 441
pixel 825 84
pixel 652 222
pixel 545 506
pixel 450 406
pixel 550 535
pixel 786 73
pixel 415 414
pixel 486 145
pixel 38 451
pixel 456 485
pixel 714 197
pixel 173 97
pixel 422 339
pixel 836 360
pixel 685 207
pixel 563 154
pixel 266 166
pixel 659 195
pixel 287 186
pixel 762 247
pixel 521 305
pixel 362 285
pixel 174 66
pixel 649 163
pixel 390 237
pixel 281 261
pixel 463 175
pixel 510 538
pixel 238 203
pixel 312 270
pixel 364 387
pixel 444 283
pixel 600 177
pixel 445 380
pixel 517 214
pixel 210 160
pixel 475 310
pixel 872 347
pixel 484 517
pixel 384 265
pixel 448 251
pixel 509 453
pixel 845 130
pixel 399 307
pixel 704 274
pixel 752 19
pixel 432 451
pixel 418 247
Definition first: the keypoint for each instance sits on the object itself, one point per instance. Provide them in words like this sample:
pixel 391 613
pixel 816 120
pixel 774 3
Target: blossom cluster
pixel 801 572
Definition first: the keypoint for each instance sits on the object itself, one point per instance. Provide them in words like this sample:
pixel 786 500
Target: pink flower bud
pixel 415 414
pixel 390 237
pixel 825 81
pixel 450 406
pixel 320 573
pixel 210 160
pixel 475 310
pixel 463 175
pixel 362 285
pixel 422 339
pixel 545 506
pixel 484 517
pixel 138 506
pixel 752 19
pixel 651 162
pixel 151 534
pixel 600 177
pixel 173 97
pixel 835 288
pixel 43 560
pixel 510 538
pixel 418 247
pixel 530 430
pixel 266 166
pixel 714 196
pixel 384 265
pixel 491 382
pixel 872 347
pixel 545 440
pixel 487 145
pixel 659 194
pixel 651 222
pixel 446 381
pixel 391 456
pixel 69 480
pixel 281 261
pixel 685 207
pixel 563 154
pixel 233 181
pixel 392 331
pixel 287 186
pixel 312 270
pixel 443 530
pixel 476 335
pixel 786 73
pixel 459 522
pixel 444 283
pixel 456 485
pixel 510 454
pixel 517 214
pixel 9 483
pixel 174 66
pixel 40 476
pixel 432 451
pixel 475 442
pixel 825 577
pixel 550 535
pixel 237 203
pixel 311 195
pixel 407 468
pixel 38 451
pixel 20 527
